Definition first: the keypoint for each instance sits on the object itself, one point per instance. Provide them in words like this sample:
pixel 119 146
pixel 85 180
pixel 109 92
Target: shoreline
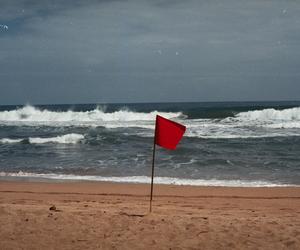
pixel 57 178
pixel 102 215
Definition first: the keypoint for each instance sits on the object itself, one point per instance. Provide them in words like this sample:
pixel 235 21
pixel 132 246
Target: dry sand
pixel 92 215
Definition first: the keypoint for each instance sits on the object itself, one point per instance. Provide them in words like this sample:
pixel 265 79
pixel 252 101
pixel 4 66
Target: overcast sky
pixel 103 51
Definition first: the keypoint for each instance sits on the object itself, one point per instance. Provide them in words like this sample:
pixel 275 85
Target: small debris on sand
pixel 52 208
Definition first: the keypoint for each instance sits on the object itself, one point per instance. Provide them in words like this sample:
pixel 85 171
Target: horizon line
pixel 162 102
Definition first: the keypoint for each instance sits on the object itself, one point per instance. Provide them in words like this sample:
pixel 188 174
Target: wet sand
pixel 95 215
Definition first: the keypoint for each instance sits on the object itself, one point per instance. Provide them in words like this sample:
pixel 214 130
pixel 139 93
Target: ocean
pixel 226 144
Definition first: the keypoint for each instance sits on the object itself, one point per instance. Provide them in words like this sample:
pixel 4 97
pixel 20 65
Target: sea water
pixel 226 144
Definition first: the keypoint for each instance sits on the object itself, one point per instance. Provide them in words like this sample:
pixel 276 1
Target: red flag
pixel 168 133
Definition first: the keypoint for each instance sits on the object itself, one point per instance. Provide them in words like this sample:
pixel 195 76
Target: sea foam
pixel 146 180
pixel 251 124
pixel 9 141
pixel 291 114
pixel 63 139
pixel 30 115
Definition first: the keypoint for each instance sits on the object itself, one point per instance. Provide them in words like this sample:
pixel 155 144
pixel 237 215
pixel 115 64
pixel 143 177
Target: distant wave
pixel 269 118
pixel 145 179
pixel 251 124
pixel 64 139
pixel 9 141
pixel 291 114
pixel 30 115
pixel 3 26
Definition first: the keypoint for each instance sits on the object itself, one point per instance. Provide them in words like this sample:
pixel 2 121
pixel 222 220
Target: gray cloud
pixel 132 51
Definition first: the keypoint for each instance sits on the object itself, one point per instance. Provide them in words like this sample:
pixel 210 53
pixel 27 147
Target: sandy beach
pixel 94 215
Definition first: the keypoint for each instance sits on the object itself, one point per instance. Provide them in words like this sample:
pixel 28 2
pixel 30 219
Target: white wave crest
pixel 30 115
pixel 284 125
pixel 146 180
pixel 291 114
pixel 252 124
pixel 3 26
pixel 9 141
pixel 64 139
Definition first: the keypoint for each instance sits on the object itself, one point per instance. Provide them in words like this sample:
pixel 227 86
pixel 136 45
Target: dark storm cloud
pixel 132 51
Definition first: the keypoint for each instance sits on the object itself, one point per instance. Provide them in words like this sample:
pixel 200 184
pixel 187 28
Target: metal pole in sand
pixel 152 176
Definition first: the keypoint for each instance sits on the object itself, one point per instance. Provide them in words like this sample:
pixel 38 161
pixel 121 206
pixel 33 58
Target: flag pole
pixel 152 176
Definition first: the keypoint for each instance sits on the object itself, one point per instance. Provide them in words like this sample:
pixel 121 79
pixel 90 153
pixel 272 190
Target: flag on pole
pixel 168 133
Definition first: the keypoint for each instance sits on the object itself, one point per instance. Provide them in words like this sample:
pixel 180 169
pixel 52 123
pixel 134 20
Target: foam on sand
pixel 146 180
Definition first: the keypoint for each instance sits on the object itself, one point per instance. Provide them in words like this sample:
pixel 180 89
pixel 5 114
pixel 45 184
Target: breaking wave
pixel 64 139
pixel 30 115
pixel 252 124
pixel 291 114
pixel 146 180
pixel 9 141
pixel 270 118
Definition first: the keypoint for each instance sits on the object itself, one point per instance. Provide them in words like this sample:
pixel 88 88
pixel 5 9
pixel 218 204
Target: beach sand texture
pixel 92 215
